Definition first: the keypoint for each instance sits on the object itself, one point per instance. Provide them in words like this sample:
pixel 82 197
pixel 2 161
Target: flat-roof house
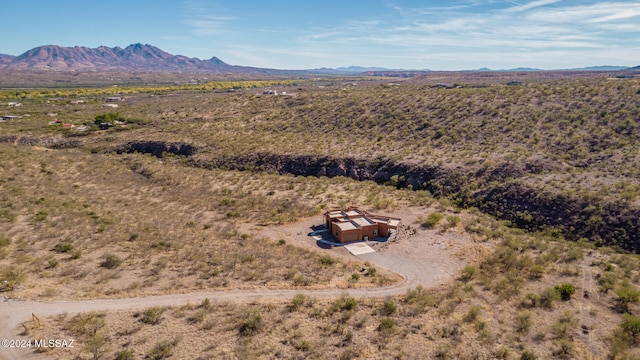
pixel 352 224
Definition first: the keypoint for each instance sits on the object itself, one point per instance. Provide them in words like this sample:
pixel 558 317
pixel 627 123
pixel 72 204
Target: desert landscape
pixel 173 221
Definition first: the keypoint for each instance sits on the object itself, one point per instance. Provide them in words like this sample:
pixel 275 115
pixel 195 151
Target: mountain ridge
pixel 145 57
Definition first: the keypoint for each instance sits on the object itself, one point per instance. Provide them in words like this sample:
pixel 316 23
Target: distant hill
pixel 603 68
pixel 135 57
pixel 5 59
pixel 139 57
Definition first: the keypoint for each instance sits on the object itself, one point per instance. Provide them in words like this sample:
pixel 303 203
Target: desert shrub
pixel 607 281
pixel 418 299
pixel 161 350
pixel 627 295
pixel 468 273
pixel 301 280
pixel 344 303
pixel 85 324
pixel 631 326
pixel 371 271
pixel 327 260
pixel 501 352
pixel 151 316
pixel 527 355
pixel 126 354
pixel 63 247
pixel 523 322
pixel 565 291
pixel 548 297
pixel 388 308
pixel 111 261
pixel 298 300
pixel 251 324
pixel 4 242
pixel 452 220
pixel 206 303
pixel 564 349
pixel 386 324
pixel 472 314
pixel 536 271
pixel 431 220
pixel 11 277
pixel 41 216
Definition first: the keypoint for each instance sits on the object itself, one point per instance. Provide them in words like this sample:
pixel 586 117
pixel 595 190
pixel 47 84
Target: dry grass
pixel 82 226
pixel 468 318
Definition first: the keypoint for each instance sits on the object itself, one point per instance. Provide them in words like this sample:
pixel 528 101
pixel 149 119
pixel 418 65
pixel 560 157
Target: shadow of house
pixel 352 224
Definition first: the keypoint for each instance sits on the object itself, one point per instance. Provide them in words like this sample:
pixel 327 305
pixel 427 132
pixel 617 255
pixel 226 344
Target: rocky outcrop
pixel 157 148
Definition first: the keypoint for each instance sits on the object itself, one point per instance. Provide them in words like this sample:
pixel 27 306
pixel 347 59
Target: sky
pixel 308 34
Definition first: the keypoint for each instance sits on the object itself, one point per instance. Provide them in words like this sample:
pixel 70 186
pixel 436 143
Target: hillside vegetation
pixel 158 201
pixel 557 155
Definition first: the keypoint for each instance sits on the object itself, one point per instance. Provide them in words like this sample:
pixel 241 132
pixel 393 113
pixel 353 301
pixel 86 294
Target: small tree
pixel 109 118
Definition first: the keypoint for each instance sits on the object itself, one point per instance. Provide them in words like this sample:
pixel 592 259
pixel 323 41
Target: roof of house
pixel 347 225
pixel 363 221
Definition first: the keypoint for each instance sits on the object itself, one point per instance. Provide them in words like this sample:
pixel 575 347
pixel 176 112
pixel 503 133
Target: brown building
pixel 352 224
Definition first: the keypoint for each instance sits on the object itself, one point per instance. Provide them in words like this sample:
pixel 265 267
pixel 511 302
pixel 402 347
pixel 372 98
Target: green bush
pixel 548 296
pixel 472 314
pixel 298 300
pixel 452 220
pixel 111 261
pixel 388 308
pixel 344 303
pixel 125 355
pixel 327 260
pixel 523 322
pixel 151 316
pixel 162 350
pixel 63 247
pixel 386 324
pixel 631 326
pixel 251 324
pixel 468 273
pixel 4 242
pixel 109 118
pixel 432 220
pixel 627 295
pixel 527 355
pixel 565 291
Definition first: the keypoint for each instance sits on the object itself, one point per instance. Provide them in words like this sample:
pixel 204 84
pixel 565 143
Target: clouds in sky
pixel 444 35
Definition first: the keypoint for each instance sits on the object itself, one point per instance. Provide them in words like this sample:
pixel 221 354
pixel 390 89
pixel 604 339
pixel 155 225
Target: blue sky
pixel 439 35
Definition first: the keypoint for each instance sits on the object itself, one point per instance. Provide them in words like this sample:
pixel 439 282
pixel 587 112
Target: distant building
pixel 352 224
pixel 10 117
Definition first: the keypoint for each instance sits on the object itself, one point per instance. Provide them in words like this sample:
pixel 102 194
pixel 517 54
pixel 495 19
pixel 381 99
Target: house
pixel 67 126
pixel 114 98
pixel 353 224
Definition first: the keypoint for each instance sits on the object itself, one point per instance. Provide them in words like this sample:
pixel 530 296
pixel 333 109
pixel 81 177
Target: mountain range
pixel 135 57
pixel 139 57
